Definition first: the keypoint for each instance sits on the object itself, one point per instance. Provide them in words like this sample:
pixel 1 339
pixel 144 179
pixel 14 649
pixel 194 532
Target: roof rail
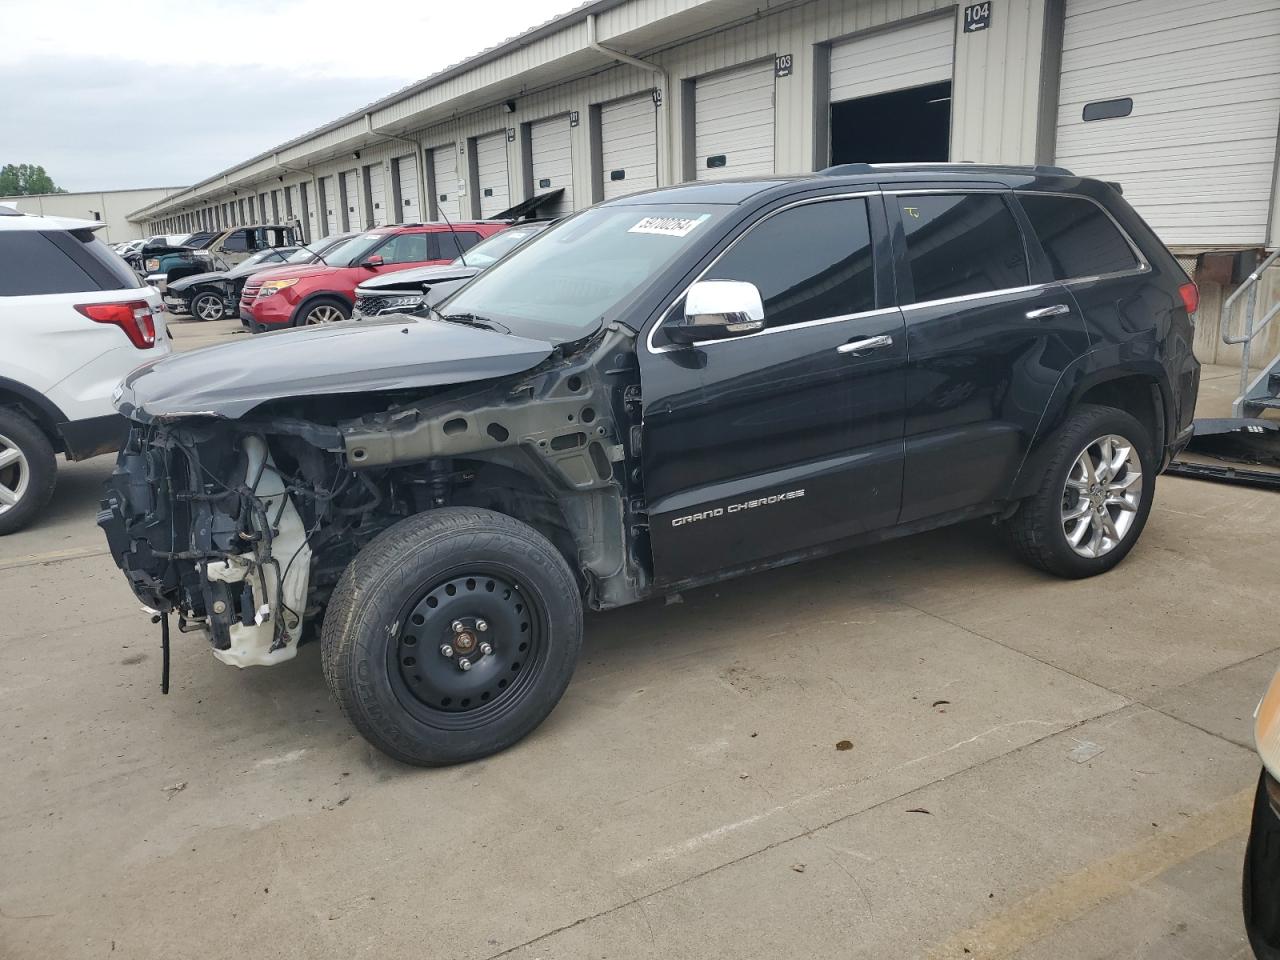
pixel 851 169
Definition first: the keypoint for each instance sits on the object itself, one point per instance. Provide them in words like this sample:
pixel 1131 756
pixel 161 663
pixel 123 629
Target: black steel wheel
pixel 452 635
pixel 469 648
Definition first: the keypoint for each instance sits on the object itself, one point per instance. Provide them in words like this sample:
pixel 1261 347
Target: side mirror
pixel 717 310
pixel 371 262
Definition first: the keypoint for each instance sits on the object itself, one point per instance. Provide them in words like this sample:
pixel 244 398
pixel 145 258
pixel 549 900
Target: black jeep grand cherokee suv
pixel 662 391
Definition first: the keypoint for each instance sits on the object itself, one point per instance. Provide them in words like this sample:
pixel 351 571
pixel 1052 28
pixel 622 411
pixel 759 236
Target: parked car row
pixel 323 291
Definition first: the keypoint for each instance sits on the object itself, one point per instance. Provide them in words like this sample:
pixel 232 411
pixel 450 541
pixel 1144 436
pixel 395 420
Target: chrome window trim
pixel 985 294
pixel 666 314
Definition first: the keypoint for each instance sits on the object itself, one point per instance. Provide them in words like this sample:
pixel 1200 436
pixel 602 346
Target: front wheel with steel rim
pixel 28 470
pixel 1094 496
pixel 452 635
pixel 208 306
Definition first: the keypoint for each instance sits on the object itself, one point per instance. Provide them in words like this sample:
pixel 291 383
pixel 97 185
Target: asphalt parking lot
pixel 919 750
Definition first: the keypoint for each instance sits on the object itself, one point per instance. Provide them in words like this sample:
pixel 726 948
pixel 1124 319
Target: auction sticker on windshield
pixel 668 226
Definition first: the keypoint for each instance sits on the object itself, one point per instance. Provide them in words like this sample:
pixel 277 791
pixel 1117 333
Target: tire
pixel 208 306
pixel 28 470
pixel 321 311
pixel 402 600
pixel 1039 530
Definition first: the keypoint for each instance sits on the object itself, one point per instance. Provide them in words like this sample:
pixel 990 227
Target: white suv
pixel 74 319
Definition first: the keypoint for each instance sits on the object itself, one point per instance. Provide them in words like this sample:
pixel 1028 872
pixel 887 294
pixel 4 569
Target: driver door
pixel 780 441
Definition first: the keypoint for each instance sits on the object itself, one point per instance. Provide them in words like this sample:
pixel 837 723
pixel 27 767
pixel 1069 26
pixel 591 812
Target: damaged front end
pixel 206 524
pixel 241 525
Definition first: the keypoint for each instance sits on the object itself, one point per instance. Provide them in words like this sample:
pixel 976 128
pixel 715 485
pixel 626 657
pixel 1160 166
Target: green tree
pixel 26 179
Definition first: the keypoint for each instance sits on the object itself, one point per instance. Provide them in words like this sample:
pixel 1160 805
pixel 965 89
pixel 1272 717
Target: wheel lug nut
pixel 486 649
pixel 482 625
pixel 464 663
pixel 446 650
pixel 458 626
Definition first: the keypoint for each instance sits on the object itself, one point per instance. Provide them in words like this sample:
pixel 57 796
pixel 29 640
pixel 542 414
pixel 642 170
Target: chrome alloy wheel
pixel 209 306
pixel 324 314
pixel 15 474
pixel 1101 497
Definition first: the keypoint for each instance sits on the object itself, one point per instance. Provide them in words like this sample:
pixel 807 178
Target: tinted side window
pixel 404 248
pixel 1079 239
pixel 810 262
pixel 34 265
pixel 238 242
pixel 100 261
pixel 962 243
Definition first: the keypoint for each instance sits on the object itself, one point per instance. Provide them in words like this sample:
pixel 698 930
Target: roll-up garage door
pixel 908 56
pixel 406 173
pixel 377 198
pixel 629 146
pixel 733 121
pixel 491 173
pixel 330 202
pixel 551 163
pixel 351 201
pixel 290 203
pixel 1187 99
pixel 444 161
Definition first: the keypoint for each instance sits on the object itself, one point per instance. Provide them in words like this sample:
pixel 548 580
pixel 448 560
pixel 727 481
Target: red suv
pixel 324 292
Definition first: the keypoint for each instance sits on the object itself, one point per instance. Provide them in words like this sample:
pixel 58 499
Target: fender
pixel 48 415
pixel 1106 363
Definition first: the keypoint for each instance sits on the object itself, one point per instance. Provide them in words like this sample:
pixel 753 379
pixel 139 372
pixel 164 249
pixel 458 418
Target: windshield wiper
pixel 471 320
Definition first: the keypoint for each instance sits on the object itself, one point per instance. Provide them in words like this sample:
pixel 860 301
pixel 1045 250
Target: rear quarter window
pixel 34 265
pixel 1078 237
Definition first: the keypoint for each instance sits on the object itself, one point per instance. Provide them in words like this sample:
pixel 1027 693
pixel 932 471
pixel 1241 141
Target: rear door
pixel 789 438
pixel 986 345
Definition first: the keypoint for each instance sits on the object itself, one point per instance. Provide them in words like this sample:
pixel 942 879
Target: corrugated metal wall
pixel 1004 89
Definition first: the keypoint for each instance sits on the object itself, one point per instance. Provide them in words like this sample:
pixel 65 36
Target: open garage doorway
pixel 896 127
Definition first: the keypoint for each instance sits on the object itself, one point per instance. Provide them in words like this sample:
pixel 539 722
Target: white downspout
pixel 669 161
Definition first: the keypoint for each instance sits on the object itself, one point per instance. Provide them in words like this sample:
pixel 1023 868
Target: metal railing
pixel 1250 390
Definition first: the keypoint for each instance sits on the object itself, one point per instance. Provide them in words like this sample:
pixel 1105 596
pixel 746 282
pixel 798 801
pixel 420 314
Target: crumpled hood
pixel 392 353
pixel 184 283
pixel 416 278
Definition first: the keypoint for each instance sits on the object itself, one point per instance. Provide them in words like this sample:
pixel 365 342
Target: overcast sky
pixel 106 95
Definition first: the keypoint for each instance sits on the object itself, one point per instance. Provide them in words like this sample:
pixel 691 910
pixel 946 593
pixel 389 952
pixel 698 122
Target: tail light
pixel 134 318
pixel 1190 295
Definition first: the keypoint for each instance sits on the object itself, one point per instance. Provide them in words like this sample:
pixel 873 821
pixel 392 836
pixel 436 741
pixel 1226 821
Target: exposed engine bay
pixel 241 526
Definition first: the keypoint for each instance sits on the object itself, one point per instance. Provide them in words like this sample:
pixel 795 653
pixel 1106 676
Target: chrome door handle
pixel 1057 310
pixel 857 347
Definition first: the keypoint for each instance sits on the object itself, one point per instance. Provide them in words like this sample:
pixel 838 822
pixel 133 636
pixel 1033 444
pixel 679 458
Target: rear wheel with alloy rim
pixel 1094 498
pixel 28 470
pixel 208 306
pixel 452 635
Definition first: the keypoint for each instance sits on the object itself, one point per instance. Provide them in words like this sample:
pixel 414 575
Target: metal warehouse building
pixel 1179 100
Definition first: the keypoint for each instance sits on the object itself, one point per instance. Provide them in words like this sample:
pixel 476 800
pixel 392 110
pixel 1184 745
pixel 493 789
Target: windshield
pixel 302 255
pixel 488 252
pixel 561 284
pixel 260 256
pixel 354 250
